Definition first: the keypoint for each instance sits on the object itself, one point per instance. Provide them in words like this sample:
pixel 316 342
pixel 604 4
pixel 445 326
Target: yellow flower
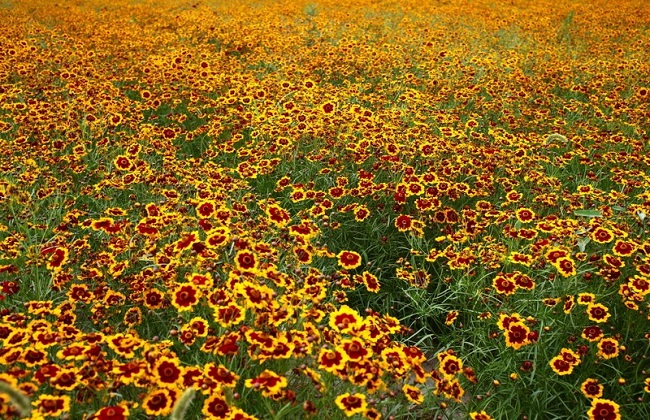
pixel 351 404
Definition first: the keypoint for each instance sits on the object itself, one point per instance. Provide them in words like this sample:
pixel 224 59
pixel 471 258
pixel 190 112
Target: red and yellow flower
pixel 332 360
pixel 624 248
pixel 517 335
pixel 246 260
pixel 279 216
pixel 159 402
pixel 608 348
pixel 351 404
pixel 167 372
pixel 185 297
pixel 413 394
pixel 565 266
pixel 52 406
pixel 113 412
pixel 565 362
pixel 268 382
pixel 216 407
pixel 602 235
pixel 449 365
pixel 475 415
pixel 602 409
pixel 345 320
pixel 591 388
pixel 598 312
pixel 349 260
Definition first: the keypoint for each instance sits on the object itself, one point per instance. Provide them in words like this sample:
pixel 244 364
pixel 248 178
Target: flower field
pixel 292 210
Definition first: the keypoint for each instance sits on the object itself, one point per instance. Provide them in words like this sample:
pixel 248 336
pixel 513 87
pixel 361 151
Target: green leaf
pixel 17 398
pixel 582 243
pixel 181 407
pixel 588 213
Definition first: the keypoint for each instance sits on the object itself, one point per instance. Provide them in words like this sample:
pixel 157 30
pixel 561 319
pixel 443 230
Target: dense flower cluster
pixel 371 210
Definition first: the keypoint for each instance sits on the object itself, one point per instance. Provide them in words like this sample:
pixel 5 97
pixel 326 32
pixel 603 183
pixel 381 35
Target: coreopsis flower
pixel 608 348
pixel 593 333
pixel 525 215
pixel 413 394
pixel 449 365
pixel 351 404
pixel 602 409
pixel 565 266
pixel 639 285
pixel 598 312
pixel 349 260
pixel 123 162
pixel 167 372
pixel 202 281
pixel 451 317
pixel 268 382
pixel 199 326
pixel 185 297
pixel 404 223
pixel 246 261
pixel 303 253
pixel 159 402
pixel 591 388
pixel 206 209
pixel 624 248
pixel 569 304
pixel 113 412
pixel 505 320
pixel 613 261
pixel 517 335
pixel 561 366
pixel 332 360
pixel 475 415
pixel 355 349
pixel 524 282
pixel 586 298
pixel 124 344
pixel 514 196
pixel 345 320
pixel 52 406
pixel 452 389
pixel 564 363
pixel 216 407
pixel 256 295
pixel 369 280
pixel 59 256
pixel 554 254
pixel 217 238
pixel 153 298
pixel 186 241
pixel 504 285
pixel 602 235
pixel 361 213
pixel 279 216
pixel 229 315
pixel 66 379
pixel 570 356
pixel 129 372
pixel 523 259
pixel 220 375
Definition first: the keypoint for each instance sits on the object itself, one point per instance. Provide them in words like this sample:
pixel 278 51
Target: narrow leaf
pixel 183 403
pixel 18 399
pixel 588 213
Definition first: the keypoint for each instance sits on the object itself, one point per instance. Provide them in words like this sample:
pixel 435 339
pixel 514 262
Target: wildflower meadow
pixel 322 209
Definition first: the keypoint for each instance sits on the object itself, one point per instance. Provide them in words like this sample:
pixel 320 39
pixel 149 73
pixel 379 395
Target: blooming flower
pixel 351 404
